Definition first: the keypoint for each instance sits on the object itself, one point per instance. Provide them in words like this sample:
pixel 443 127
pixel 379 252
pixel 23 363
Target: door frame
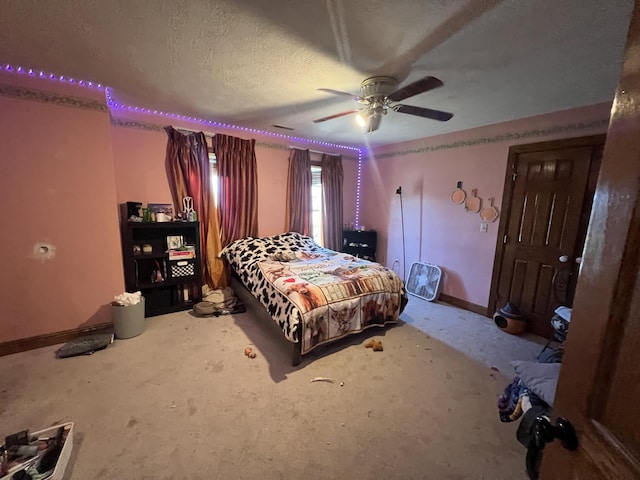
pixel 597 140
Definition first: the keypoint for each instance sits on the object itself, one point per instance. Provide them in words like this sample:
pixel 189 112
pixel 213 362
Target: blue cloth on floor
pixel 510 401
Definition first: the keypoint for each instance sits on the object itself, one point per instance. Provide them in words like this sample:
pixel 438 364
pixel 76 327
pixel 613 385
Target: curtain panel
pixel 238 187
pixel 298 206
pixel 332 179
pixel 188 171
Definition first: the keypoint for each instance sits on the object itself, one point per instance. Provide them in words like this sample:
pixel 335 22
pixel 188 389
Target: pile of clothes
pixel 517 399
pixel 528 396
pixel 218 302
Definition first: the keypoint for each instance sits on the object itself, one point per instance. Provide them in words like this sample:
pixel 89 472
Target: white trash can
pixel 128 320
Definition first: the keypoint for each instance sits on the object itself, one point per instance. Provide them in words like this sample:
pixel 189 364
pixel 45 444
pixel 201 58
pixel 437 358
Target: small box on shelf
pixel 182 268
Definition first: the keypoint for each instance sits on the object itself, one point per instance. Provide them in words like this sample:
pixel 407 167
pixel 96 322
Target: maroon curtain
pixel 331 178
pixel 188 171
pixel 238 191
pixel 298 208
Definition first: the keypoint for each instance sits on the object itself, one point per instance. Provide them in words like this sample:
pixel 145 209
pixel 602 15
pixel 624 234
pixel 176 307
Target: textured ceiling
pixel 259 63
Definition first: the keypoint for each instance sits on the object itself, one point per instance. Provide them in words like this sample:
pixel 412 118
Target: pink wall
pixel 66 166
pixel 437 230
pixel 58 189
pixel 138 160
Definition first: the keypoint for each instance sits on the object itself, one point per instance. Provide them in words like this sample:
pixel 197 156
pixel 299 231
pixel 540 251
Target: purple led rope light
pixel 358 188
pixel 7 67
pixel 121 106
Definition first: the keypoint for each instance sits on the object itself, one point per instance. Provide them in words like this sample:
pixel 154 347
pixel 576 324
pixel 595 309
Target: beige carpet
pixel 182 401
pixel 472 334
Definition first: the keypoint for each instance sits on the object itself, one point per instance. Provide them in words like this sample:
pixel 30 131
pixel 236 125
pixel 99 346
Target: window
pixel 213 177
pixel 316 204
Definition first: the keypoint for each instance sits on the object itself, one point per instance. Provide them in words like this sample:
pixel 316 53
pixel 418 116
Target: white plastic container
pixel 128 320
pixel 63 459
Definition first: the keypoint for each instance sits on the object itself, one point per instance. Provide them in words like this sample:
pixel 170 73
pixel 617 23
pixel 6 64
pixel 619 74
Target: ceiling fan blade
pixel 424 112
pixel 423 85
pixel 374 123
pixel 337 115
pixel 342 94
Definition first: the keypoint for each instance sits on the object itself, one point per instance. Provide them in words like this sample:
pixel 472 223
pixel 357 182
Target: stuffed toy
pixel 376 345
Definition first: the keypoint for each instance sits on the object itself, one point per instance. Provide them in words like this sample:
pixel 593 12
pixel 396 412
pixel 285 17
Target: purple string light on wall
pixel 7 67
pixel 358 188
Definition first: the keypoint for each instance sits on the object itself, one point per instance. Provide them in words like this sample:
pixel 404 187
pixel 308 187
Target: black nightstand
pixel 360 243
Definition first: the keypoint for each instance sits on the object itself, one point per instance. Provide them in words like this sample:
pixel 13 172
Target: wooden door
pixel 546 207
pixel 599 384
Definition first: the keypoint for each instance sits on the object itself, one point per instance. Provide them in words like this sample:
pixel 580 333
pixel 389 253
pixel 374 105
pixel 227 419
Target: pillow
pixel 245 252
pixel 540 378
pixel 283 257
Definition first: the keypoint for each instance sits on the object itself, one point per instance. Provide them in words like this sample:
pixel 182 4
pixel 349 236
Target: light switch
pixel 484 227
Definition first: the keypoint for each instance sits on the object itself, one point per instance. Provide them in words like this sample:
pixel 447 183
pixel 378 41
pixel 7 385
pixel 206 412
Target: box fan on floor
pixel 424 281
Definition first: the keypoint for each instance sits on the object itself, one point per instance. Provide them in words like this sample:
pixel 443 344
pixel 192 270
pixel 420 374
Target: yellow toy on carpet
pixel 376 345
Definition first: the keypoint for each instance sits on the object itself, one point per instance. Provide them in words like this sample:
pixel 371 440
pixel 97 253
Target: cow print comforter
pixel 327 293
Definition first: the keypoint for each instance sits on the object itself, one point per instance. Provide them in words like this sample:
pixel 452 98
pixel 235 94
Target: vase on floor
pixel 510 320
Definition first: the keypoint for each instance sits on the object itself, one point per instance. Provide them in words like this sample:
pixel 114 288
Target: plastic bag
pixel 127 298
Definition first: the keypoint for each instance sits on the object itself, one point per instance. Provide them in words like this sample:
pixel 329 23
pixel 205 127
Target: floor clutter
pixel 275 401
pixel 218 302
pixel 376 345
pixel 36 456
pixel 530 394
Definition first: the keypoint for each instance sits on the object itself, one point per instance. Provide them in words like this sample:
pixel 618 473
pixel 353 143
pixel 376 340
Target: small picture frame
pixel 174 242
pixel 164 208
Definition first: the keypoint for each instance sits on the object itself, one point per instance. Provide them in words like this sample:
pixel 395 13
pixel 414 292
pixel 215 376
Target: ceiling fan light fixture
pixel 378 95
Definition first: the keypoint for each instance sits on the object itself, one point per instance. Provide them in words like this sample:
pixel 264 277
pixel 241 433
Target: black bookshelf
pixel 168 285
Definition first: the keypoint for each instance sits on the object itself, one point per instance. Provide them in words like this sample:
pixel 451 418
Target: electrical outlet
pixel 484 227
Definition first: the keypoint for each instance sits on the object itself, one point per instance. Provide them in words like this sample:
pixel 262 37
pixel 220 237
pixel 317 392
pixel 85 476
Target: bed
pixel 315 295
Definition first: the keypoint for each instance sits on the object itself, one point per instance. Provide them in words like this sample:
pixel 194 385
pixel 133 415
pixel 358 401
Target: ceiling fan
pixel 379 94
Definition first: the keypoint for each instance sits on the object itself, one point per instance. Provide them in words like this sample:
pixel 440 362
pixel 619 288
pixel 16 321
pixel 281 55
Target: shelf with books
pixel 163 261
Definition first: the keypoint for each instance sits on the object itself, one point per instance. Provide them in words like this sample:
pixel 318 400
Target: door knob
pixel 564 258
pixel 579 260
pixel 545 432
